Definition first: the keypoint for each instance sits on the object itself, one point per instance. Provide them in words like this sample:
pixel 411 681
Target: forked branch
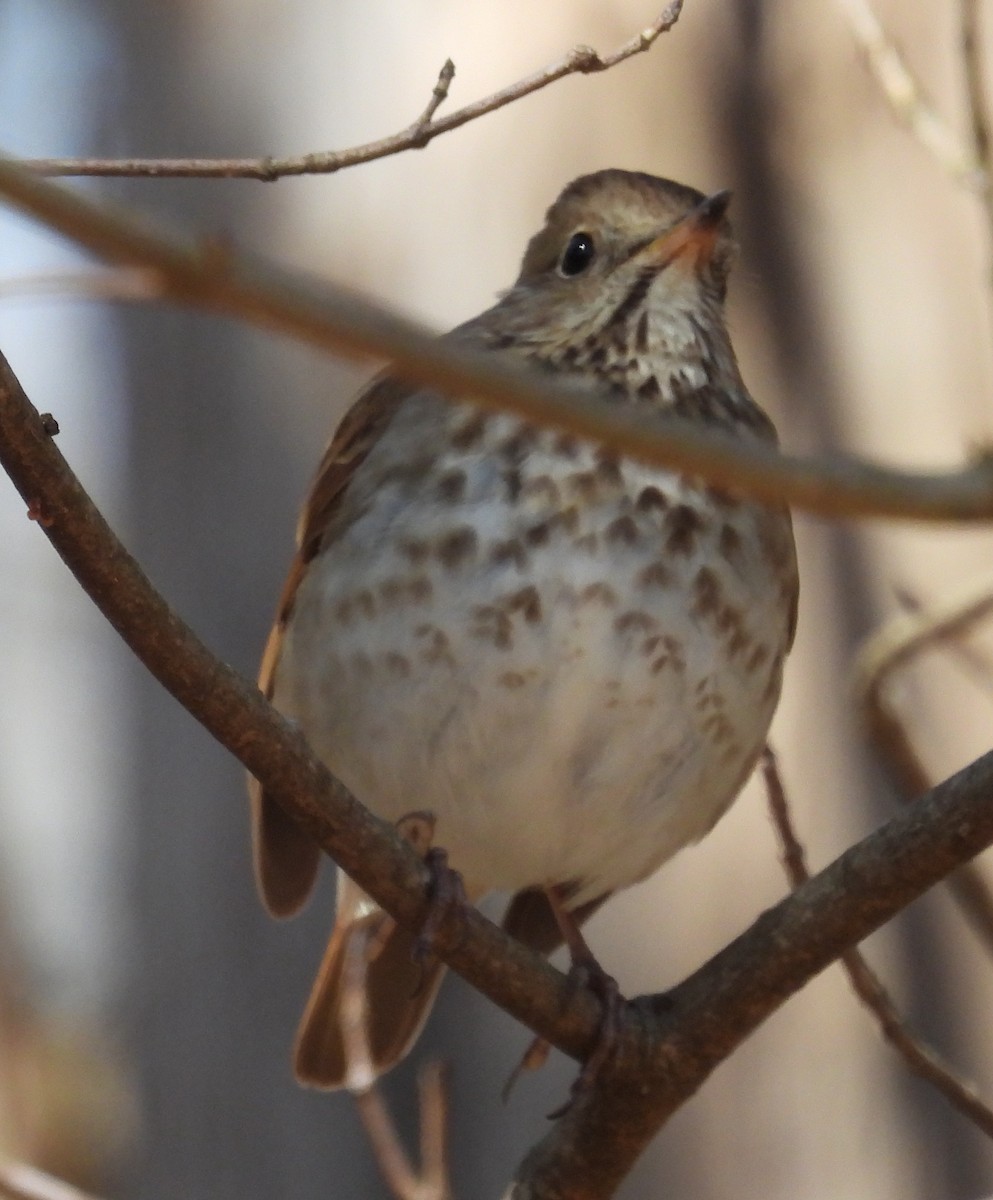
pixel 582 60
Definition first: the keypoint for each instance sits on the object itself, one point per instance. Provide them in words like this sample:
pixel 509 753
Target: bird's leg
pixel 586 971
pixel 445 888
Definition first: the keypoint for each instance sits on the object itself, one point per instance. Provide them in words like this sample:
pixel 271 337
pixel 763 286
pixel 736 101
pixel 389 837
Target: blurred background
pixel 147 1006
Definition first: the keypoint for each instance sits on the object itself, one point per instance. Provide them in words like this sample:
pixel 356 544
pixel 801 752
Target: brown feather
pixel 530 919
pixel 286 860
pixel 398 994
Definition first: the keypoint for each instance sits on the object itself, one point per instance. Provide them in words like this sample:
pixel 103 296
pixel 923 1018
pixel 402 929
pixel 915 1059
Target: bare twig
pixel 907 99
pixel 18 1181
pixel 975 87
pixel 890 649
pixel 433 1093
pixel 582 60
pixel 216 278
pixel 439 95
pixel 403 1180
pixel 921 1059
pixel 107 284
pixel 974 662
pixel 390 1155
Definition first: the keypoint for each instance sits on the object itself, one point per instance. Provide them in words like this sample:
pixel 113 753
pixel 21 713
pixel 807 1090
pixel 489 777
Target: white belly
pixel 568 713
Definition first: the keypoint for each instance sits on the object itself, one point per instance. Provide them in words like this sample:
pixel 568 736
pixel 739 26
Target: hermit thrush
pixel 569 658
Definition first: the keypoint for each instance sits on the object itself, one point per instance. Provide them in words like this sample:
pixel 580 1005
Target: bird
pixel 569 658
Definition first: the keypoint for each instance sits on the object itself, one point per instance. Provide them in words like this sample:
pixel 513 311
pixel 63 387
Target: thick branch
pixel 213 277
pixel 671 1044
pixel 582 60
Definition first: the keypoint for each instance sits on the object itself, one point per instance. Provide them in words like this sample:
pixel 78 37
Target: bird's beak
pixel 691 239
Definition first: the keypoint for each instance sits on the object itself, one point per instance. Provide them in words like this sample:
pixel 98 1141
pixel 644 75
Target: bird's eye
pixel 578 255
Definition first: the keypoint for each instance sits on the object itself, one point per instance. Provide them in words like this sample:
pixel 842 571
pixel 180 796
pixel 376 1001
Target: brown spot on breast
pixel 519 443
pixel 673 655
pixel 650 390
pixel 622 531
pixel 451 486
pixel 566 520
pixel 598 593
pixel 541 488
pixel 641 622
pixel 492 624
pixel 608 467
pixel 584 484
pixel 512 482
pixel 757 657
pixel 682 524
pixel 510 551
pixel 415 550
pixel 437 648
pixel 457 546
pixel 651 499
pixel 566 446
pixel 589 543
pixel 641 333
pixel 470 432
pixel 706 593
pixel 527 602
pixel 655 575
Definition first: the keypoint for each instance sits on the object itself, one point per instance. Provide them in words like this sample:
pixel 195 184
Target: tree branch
pixel 890 649
pixel 582 60
pixel 921 1059
pixel 907 99
pixel 213 277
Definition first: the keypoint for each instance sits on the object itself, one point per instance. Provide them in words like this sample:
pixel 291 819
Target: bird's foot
pixel 445 891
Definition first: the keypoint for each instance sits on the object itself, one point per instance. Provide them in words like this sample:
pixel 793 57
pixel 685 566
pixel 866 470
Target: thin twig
pixel 974 69
pixel 973 661
pixel 892 648
pixel 907 99
pixel 439 95
pixel 974 66
pixel 18 1181
pixel 582 60
pixel 399 1173
pixel 433 1093
pixel 215 277
pixel 921 1059
pixel 125 284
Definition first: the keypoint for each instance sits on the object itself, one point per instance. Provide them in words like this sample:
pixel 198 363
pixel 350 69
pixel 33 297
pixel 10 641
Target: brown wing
pixel 286 860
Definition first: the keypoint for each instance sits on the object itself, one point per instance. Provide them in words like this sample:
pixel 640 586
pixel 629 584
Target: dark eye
pixel 578 254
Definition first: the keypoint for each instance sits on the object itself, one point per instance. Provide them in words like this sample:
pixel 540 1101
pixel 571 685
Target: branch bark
pixel 211 276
